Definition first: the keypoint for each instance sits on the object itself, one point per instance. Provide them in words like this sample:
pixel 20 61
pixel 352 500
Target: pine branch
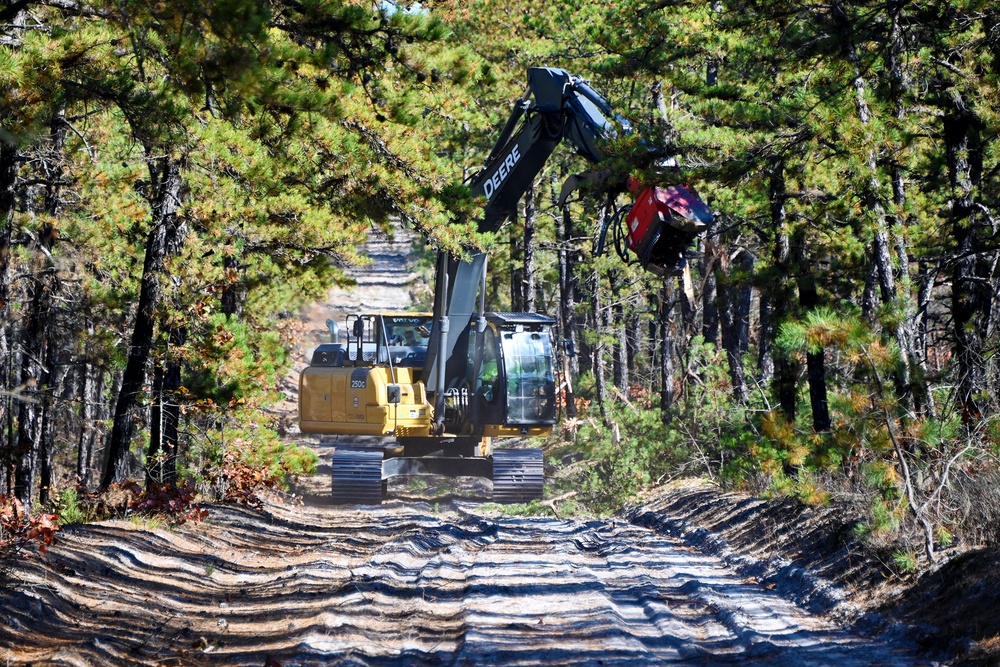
pixel 10 12
pixel 380 148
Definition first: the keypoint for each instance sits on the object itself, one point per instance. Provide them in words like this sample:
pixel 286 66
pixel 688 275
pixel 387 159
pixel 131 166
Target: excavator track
pixel 518 475
pixel 357 476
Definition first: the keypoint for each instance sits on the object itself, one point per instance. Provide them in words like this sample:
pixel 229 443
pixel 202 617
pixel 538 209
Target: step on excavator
pixel 433 391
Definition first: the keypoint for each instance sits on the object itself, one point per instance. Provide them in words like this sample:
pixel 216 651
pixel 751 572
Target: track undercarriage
pixel 361 470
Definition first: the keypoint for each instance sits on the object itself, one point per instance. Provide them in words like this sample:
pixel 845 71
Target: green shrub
pixel 70 510
pixel 905 562
pixel 250 445
pixel 647 452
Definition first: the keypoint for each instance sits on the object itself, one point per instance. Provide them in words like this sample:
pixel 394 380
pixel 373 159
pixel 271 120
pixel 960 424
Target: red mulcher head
pixel 662 224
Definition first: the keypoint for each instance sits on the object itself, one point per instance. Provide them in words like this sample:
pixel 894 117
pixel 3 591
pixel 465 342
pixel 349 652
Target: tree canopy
pixel 177 179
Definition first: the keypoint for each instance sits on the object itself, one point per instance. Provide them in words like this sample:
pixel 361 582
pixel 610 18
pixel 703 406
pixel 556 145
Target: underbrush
pixel 240 468
pixel 175 504
pixel 615 461
pixel 921 487
pixel 240 472
pixel 245 472
pixel 238 464
pixel 20 531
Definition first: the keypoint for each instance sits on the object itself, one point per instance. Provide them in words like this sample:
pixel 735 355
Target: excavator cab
pixel 502 383
pixel 515 385
pixel 528 371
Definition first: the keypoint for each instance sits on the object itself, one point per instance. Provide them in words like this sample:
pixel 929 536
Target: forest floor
pixel 438 575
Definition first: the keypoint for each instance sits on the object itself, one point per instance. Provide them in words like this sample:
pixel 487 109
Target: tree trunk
pixel 915 354
pixel 619 353
pixel 8 177
pixel 91 388
pixel 688 302
pixel 597 351
pixel 530 222
pixel 667 306
pixel 918 387
pixel 234 294
pixel 709 293
pixel 652 337
pixel 925 277
pixel 869 293
pixel 728 306
pixel 34 383
pixel 880 245
pixel 635 350
pixel 28 440
pixel 815 361
pixel 516 267
pixel 46 472
pixel 164 239
pixel 161 460
pixel 786 370
pixel 744 301
pixel 154 460
pixel 566 307
pixel 53 169
pixel 971 293
pixel 768 328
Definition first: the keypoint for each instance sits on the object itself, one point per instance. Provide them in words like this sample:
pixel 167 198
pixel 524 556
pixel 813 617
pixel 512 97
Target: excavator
pixel 442 386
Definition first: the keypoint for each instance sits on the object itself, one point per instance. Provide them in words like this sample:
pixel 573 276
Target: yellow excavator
pixel 445 385
pixel 374 384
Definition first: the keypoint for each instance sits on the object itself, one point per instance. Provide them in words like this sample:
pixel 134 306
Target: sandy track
pixel 407 583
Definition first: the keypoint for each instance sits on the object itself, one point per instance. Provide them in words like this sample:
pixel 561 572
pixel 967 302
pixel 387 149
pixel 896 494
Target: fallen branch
pixel 551 502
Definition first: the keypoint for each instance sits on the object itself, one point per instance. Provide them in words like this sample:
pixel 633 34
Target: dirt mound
pixel 772 540
pixel 809 554
pixel 958 607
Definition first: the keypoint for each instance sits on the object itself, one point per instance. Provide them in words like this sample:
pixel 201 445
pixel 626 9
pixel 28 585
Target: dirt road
pixel 449 582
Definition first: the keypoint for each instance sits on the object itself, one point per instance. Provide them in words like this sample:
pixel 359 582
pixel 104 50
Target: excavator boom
pixel 557 106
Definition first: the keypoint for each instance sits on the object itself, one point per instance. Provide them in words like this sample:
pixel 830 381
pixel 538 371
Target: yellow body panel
pixel 351 400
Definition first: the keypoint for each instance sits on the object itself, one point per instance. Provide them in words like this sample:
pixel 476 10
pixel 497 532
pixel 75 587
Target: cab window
pixel 489 371
pixel 530 382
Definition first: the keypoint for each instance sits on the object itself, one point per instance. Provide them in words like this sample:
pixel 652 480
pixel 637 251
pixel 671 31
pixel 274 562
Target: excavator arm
pixel 556 106
pixel 564 107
